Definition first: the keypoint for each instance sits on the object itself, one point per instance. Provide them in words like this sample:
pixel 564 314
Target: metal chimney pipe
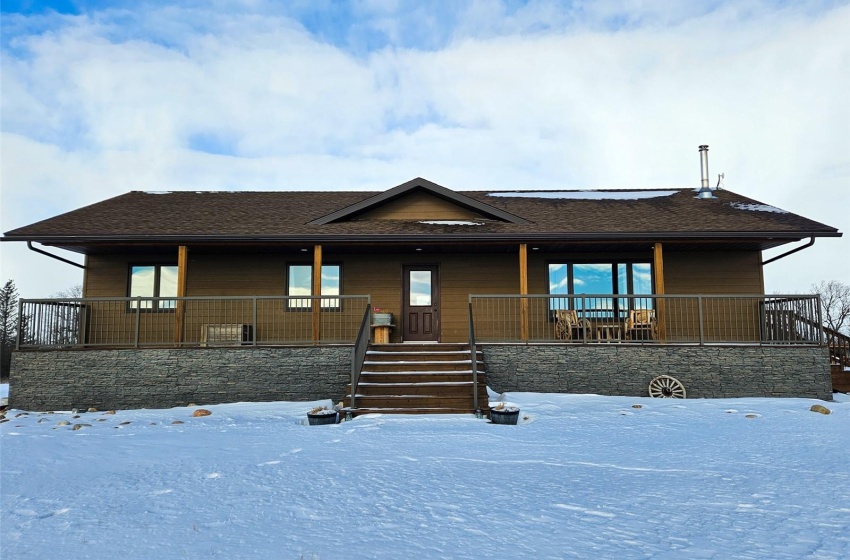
pixel 705 190
pixel 703 164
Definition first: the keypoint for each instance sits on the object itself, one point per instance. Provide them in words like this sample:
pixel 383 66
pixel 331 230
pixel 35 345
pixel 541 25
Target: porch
pixel 156 352
pixel 76 323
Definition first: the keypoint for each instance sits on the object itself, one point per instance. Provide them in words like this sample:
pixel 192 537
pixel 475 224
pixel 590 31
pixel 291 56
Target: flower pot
pixel 382 319
pixel 508 415
pixel 322 418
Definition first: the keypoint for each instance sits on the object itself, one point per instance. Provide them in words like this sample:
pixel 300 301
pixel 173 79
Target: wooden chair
pixel 568 326
pixel 641 325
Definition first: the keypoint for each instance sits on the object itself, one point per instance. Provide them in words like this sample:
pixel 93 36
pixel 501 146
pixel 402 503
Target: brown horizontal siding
pixel 380 275
pixel 240 275
pixel 108 275
pixel 713 272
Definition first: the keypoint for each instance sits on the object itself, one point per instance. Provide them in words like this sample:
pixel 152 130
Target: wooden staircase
pixel 839 359
pixel 419 379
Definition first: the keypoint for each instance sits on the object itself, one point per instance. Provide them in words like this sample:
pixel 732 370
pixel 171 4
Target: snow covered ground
pixel 582 476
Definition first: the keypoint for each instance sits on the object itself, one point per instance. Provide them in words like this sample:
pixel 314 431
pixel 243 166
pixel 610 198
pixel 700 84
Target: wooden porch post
pixel 523 289
pixel 658 257
pixel 180 308
pixel 317 291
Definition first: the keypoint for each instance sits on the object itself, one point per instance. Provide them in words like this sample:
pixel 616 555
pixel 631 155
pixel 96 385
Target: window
pixel 633 278
pixel 153 281
pixel 299 282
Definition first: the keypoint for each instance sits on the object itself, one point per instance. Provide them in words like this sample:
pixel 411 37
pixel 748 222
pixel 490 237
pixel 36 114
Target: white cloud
pixel 597 96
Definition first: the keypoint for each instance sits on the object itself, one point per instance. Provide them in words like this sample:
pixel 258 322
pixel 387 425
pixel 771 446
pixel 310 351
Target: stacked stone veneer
pixel 162 378
pixel 620 369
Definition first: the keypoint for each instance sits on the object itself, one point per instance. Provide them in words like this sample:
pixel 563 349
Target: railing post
pixel 474 362
pixel 700 318
pixel 583 321
pixel 820 320
pixel 20 324
pixel 254 324
pixel 138 320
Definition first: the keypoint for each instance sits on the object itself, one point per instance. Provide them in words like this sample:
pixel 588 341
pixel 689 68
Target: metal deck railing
pixel 684 319
pixel 189 321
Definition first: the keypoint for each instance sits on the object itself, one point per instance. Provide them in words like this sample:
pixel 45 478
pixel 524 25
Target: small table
pixel 609 332
pixel 382 334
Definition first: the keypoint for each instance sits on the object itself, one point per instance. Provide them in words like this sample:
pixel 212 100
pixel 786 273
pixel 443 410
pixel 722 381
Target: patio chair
pixel 641 325
pixel 568 326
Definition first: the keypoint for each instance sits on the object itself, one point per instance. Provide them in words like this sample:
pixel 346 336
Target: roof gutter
pixel 395 238
pixel 52 256
pixel 791 252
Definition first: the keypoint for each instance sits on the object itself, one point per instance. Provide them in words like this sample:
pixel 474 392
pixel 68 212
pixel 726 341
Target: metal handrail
pixel 677 318
pixel 135 322
pixel 358 356
pixel 474 355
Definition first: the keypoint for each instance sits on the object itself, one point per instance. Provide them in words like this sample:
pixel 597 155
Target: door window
pixel 420 287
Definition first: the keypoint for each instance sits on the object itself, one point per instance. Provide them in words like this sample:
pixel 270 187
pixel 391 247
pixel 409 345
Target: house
pixel 228 296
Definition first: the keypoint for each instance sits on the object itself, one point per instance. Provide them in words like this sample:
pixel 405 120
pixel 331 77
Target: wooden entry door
pixel 421 308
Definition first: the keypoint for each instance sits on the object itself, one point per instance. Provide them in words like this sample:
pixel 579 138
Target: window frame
pixel 309 307
pixel 156 304
pixel 617 309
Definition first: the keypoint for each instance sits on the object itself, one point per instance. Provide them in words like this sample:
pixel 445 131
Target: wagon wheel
pixel 666 387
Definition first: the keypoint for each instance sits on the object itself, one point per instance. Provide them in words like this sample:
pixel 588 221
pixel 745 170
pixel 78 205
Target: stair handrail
pixel 474 361
pixel 839 346
pixel 358 355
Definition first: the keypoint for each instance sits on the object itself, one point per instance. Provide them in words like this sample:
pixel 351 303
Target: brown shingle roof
pixel 243 216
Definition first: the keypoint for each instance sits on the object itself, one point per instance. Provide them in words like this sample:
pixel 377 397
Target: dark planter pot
pixel 508 417
pixel 321 419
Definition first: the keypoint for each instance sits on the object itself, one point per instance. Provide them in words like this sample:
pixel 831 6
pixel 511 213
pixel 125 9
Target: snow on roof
pixel 586 195
pixel 451 223
pixel 757 207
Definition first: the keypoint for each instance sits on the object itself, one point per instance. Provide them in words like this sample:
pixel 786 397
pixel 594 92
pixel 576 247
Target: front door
pixel 421 308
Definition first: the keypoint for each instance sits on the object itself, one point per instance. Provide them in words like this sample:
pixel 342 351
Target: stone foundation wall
pixel 619 369
pixel 163 378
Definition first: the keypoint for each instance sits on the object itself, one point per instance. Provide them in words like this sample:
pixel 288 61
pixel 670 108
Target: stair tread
pixel 361 411
pixel 420 379
pixel 440 352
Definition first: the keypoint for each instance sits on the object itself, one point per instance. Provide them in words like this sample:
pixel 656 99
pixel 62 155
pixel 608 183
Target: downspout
pixel 52 256
pixel 791 252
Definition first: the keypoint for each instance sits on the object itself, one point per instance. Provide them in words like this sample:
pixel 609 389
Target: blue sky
pixel 100 98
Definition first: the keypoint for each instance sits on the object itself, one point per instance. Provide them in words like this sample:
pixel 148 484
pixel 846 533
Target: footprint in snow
pixel 214 475
pixel 162 492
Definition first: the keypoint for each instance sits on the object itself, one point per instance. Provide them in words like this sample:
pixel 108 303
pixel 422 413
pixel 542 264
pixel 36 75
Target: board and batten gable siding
pixel 419 206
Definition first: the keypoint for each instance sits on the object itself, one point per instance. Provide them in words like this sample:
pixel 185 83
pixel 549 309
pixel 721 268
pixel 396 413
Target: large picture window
pixel 299 282
pixel 153 281
pixel 628 278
